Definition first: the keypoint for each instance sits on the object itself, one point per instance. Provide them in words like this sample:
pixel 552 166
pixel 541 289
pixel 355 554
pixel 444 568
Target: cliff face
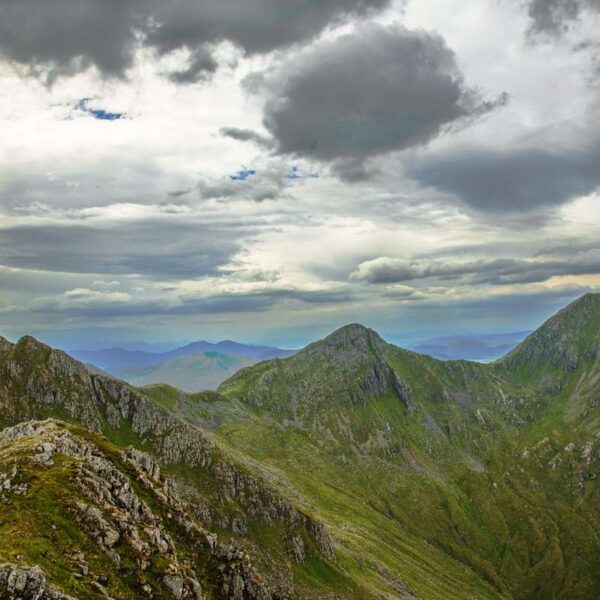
pixel 38 382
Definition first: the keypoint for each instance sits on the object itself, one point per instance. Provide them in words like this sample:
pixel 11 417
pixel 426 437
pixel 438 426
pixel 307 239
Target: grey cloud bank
pixel 69 35
pixel 501 181
pixel 288 167
pixel 375 90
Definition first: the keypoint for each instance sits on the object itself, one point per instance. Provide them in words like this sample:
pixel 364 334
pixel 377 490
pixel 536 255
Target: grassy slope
pixel 32 386
pixel 457 499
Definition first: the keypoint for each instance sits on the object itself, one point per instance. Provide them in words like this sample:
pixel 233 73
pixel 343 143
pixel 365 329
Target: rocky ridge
pixel 37 381
pixel 123 525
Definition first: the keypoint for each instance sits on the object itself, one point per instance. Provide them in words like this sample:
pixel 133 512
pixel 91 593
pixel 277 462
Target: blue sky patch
pixel 98 113
pixel 242 174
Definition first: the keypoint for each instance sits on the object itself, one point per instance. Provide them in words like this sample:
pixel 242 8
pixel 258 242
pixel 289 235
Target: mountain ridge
pixel 38 382
pixel 436 480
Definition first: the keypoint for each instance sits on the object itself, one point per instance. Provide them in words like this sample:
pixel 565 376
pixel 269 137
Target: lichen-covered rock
pixel 26 583
pixel 110 511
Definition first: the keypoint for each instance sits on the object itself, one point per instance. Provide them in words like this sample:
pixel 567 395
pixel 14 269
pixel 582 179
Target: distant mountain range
pixel 190 373
pixel 204 365
pixel 207 366
pixel 484 347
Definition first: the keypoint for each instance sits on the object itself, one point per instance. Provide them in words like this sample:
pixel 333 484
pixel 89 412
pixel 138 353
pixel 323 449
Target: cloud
pixel 369 92
pixel 554 17
pixel 267 182
pixel 498 271
pixel 247 135
pixel 86 296
pixel 514 179
pixel 353 170
pixel 200 66
pixel 68 36
pixel 160 248
pixel 83 302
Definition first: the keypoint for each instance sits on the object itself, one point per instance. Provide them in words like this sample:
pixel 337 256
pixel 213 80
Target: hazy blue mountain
pixel 121 360
pixel 193 373
pixel 483 347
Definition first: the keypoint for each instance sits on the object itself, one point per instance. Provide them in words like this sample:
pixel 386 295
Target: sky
pixel 267 171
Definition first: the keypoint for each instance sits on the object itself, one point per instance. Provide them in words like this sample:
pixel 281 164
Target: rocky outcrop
pixel 36 380
pixel 111 512
pixel 5 345
pixel 26 583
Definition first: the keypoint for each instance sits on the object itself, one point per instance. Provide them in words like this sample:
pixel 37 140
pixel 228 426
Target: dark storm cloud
pixel 201 65
pixel 247 135
pixel 503 271
pixel 500 181
pixel 157 249
pixel 71 34
pixel 68 35
pixel 376 90
pixel 554 17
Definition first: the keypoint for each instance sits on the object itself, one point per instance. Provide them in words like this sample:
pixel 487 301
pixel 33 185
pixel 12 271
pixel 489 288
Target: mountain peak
pixel 564 341
pixel 30 344
pixel 5 344
pixel 347 342
pixel 353 333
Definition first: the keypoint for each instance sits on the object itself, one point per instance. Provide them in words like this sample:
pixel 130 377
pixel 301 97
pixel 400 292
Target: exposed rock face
pixel 26 583
pixel 36 380
pixel 350 364
pixel 112 513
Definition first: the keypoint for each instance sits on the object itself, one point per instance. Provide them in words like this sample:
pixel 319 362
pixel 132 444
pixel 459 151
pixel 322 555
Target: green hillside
pixel 202 371
pixel 356 469
pixel 493 466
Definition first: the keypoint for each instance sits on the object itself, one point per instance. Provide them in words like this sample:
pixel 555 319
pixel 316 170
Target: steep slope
pixel 436 480
pixel 101 522
pixel 481 461
pixel 203 371
pixel 560 363
pixel 37 382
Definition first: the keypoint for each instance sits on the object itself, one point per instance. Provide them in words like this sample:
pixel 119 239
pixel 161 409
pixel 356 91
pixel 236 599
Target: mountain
pixel 202 371
pixel 353 469
pixel 119 360
pixel 485 347
pixel 70 489
pixel 495 465
pixel 230 347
